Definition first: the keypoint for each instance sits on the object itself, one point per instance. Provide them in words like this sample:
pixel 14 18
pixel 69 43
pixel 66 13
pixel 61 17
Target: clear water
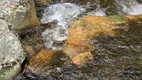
pixel 115 58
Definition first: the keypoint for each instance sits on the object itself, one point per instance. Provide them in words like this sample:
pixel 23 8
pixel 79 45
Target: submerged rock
pixel 82 59
pixel 11 53
pixel 83 32
pixel 39 63
pixel 134 19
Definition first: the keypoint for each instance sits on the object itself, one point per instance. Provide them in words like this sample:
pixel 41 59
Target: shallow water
pixel 63 14
pixel 115 58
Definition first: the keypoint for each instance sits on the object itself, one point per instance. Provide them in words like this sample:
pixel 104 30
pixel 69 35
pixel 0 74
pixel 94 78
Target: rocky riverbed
pixel 70 40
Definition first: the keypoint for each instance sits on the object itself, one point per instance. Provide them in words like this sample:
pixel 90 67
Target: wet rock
pixel 42 2
pixel 134 19
pixel 83 32
pixel 75 47
pixel 139 1
pixel 30 50
pixel 23 15
pixel 82 59
pixel 39 63
pixel 11 53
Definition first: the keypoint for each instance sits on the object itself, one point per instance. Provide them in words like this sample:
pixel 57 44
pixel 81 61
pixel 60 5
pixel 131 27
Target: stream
pixel 115 58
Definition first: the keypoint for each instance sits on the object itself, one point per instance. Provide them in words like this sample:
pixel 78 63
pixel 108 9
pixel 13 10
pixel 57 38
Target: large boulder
pixel 19 13
pixel 11 53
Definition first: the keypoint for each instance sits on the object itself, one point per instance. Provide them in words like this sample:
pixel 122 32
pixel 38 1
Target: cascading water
pixel 64 13
pixel 131 7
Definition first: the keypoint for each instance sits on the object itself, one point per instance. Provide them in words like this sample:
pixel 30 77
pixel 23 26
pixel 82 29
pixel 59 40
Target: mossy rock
pixel 118 18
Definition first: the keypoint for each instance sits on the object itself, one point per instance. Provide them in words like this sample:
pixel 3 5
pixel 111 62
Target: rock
pixel 11 53
pixel 139 1
pixel 83 32
pixel 30 50
pixel 75 47
pixel 42 2
pixel 82 59
pixel 134 19
pixel 23 15
pixel 42 61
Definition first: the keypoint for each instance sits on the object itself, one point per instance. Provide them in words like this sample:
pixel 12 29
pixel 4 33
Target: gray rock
pixel 20 13
pixel 11 53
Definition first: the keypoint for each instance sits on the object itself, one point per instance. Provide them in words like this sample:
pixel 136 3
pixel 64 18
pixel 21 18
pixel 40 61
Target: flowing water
pixel 63 14
pixel 115 58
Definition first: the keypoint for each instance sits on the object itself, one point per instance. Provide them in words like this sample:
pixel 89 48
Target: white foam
pixel 100 12
pixel 64 14
pixel 135 9
pixel 131 7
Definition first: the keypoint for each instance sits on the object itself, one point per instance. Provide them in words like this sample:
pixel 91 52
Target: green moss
pixel 117 18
